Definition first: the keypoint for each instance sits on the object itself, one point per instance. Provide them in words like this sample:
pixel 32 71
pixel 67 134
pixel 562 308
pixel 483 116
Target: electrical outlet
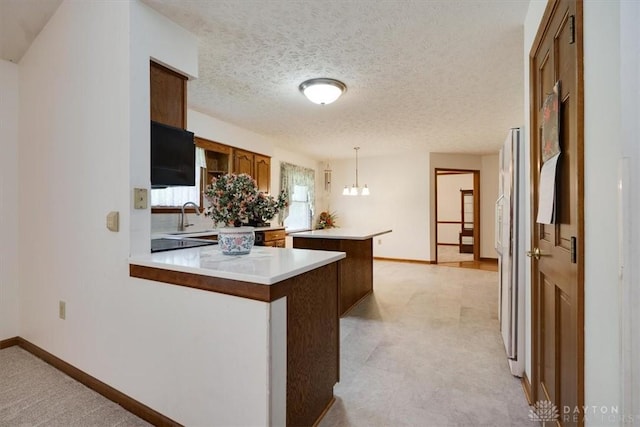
pixel 62 310
pixel 379 241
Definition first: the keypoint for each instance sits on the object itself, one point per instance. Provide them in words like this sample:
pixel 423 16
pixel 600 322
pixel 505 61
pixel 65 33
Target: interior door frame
pixel 548 15
pixel 476 207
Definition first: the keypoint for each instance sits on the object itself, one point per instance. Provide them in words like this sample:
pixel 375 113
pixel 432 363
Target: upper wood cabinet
pixel 223 159
pixel 262 172
pixel 168 93
pixel 243 162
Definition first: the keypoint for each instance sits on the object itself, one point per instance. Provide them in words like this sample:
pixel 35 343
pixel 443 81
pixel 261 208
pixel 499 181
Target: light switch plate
pixel 140 198
pixel 113 221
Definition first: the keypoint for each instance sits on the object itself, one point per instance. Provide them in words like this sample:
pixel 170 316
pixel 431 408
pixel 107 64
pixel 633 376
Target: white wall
pixel 449 204
pixel 630 232
pixel 84 143
pixel 488 195
pixel 9 187
pixel 153 36
pixel 217 130
pixel 399 200
pixel 602 150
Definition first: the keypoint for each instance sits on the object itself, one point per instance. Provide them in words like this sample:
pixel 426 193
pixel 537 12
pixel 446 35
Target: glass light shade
pixel 322 91
pixel 354 191
pixel 365 190
pixel 345 192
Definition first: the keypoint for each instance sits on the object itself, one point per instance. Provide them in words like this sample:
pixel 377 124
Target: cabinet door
pixel 262 169
pixel 168 97
pixel 243 162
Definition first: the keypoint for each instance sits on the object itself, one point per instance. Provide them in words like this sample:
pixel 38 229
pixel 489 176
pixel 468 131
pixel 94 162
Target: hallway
pixel 425 350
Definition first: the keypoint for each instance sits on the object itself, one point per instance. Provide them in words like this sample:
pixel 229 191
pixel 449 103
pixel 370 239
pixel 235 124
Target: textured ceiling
pixel 442 76
pixel 439 76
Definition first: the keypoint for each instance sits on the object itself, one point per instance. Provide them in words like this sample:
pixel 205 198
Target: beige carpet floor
pixel 424 350
pixel 33 393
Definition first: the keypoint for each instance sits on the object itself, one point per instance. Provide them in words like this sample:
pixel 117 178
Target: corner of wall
pixel 9 199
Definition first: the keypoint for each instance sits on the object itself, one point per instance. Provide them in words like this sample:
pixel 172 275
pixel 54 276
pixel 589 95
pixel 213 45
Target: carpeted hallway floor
pixel 424 350
pixel 33 393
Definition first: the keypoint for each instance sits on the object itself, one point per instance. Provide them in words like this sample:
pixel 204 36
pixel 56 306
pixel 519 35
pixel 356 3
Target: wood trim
pixel 486 259
pixel 476 216
pixel 412 261
pixel 448 244
pixel 526 387
pixel 265 293
pixel 9 342
pixel 452 172
pixel 130 404
pixel 448 222
pixel 207 144
pixel 329 405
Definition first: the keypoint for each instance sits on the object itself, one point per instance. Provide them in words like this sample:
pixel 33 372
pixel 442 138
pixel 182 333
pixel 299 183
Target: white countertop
pixel 264 265
pixel 341 233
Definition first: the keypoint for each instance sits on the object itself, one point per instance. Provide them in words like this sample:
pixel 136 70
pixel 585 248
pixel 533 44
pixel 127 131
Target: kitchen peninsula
pixel 356 271
pixel 292 300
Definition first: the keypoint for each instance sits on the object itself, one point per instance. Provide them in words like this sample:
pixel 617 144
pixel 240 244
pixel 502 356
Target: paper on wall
pixel 547 191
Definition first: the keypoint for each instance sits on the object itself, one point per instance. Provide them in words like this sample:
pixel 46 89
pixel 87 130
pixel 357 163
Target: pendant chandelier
pixel 355 189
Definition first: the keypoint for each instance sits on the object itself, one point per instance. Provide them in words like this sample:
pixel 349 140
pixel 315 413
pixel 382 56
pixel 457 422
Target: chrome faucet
pixel 183 216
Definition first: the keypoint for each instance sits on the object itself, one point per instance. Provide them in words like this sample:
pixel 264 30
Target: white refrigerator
pixel 509 243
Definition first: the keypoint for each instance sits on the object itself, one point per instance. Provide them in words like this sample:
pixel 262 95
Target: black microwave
pixel 173 156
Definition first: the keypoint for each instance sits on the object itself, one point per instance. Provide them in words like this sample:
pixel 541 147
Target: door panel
pixel 557 282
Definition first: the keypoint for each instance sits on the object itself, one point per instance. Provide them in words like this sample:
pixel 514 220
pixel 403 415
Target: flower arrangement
pixel 266 207
pixel 327 220
pixel 234 199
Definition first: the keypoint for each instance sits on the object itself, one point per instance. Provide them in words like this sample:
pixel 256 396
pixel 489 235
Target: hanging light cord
pixel 357 148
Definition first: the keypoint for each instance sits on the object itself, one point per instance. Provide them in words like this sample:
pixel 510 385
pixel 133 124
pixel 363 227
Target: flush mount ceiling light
pixel 322 91
pixel 355 189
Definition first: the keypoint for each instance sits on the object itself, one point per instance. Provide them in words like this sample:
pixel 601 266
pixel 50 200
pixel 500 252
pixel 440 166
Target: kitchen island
pixel 291 329
pixel 356 271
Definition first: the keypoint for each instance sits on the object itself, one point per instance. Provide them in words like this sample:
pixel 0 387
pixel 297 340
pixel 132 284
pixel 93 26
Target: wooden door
pixel 243 162
pixel 262 169
pixel 557 274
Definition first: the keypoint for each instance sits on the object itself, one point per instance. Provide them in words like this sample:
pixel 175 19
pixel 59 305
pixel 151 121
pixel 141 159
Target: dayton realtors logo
pixel 543 411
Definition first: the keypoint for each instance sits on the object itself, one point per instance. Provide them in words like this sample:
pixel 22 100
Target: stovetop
pixel 165 244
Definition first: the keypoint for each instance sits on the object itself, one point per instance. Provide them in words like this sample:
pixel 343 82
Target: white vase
pixel 236 240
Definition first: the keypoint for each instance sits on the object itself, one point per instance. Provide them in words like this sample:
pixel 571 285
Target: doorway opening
pixel 457 216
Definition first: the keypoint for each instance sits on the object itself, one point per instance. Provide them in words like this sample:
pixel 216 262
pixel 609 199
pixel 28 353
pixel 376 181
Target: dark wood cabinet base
pixel 356 270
